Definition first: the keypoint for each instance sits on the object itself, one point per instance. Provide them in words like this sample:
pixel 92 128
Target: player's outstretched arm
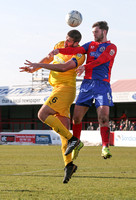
pixel 31 67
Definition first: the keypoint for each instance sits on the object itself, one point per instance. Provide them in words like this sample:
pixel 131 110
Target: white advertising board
pixel 91 138
pixel 124 96
pixel 125 138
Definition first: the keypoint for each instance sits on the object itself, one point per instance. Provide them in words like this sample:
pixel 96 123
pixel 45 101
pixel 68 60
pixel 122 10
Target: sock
pixel 105 133
pixel 67 159
pixel 57 126
pixel 77 130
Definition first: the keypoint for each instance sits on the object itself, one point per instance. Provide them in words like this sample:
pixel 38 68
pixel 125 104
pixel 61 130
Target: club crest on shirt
pixel 102 49
pixel 79 55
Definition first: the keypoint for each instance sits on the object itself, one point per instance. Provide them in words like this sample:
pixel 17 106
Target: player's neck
pixel 104 40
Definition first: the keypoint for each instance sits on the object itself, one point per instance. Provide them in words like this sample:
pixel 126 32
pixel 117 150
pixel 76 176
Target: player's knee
pixel 40 116
pixel 76 120
pixel 103 120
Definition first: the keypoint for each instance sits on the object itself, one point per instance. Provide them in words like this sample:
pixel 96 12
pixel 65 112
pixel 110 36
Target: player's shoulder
pixel 59 45
pixel 112 48
pixel 111 44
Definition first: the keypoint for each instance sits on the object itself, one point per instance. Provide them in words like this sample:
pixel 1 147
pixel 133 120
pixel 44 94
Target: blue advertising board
pixel 43 139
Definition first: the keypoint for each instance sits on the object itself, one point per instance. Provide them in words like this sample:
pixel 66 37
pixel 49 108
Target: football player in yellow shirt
pixel 55 112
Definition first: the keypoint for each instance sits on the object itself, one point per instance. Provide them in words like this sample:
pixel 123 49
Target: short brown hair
pixel 75 35
pixel 102 25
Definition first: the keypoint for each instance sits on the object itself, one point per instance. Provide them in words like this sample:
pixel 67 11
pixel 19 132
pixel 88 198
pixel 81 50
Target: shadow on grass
pixel 83 177
pixel 19 190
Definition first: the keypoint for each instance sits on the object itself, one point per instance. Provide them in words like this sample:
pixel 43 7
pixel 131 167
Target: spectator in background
pixel 133 126
pixel 112 125
pixel 90 127
pixel 121 125
pixel 127 125
pixel 123 116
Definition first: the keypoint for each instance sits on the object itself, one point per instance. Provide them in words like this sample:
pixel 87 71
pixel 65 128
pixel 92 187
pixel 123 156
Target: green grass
pixel 36 172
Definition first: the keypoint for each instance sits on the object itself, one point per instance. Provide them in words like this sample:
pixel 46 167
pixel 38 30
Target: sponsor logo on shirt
pixel 95 54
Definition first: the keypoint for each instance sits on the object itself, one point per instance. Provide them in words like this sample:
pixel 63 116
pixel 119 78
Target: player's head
pixel 100 30
pixel 73 38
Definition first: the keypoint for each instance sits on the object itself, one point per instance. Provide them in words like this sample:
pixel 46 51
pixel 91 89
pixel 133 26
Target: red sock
pixel 105 133
pixel 77 130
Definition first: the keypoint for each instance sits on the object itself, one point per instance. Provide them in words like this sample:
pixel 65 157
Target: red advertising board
pixel 30 138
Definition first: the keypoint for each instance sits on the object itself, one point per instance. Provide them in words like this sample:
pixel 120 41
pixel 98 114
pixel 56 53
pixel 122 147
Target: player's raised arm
pixel 68 51
pixel 108 55
pixel 72 50
pixel 32 67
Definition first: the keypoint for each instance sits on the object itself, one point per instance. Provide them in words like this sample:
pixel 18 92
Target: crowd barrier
pixel 50 137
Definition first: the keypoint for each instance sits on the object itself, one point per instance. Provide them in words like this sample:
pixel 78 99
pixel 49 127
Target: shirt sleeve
pixel 78 59
pixel 105 57
pixel 72 50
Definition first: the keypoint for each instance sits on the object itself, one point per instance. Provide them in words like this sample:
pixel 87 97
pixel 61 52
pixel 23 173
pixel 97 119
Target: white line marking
pixel 36 171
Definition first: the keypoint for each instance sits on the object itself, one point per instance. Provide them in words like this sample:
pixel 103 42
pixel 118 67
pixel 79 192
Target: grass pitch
pixel 36 173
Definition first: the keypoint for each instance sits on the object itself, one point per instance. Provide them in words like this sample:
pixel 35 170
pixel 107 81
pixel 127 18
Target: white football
pixel 74 18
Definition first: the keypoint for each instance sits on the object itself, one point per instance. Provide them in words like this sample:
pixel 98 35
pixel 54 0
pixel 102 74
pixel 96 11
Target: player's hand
pixel 30 67
pixel 80 70
pixel 54 52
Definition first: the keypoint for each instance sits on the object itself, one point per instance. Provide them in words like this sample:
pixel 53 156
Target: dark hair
pixel 102 25
pixel 75 35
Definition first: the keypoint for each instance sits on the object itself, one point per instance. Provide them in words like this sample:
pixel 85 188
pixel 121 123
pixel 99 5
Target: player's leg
pixel 66 122
pixel 103 101
pixel 59 104
pixel 84 101
pixel 46 115
pixel 64 116
pixel 103 119
pixel 77 129
pixel 79 112
pixel 70 168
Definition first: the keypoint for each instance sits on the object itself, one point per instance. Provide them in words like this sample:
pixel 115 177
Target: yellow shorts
pixel 61 99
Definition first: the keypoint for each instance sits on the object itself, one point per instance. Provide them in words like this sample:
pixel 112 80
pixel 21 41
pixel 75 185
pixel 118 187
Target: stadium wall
pixel 19 106
pixel 49 137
